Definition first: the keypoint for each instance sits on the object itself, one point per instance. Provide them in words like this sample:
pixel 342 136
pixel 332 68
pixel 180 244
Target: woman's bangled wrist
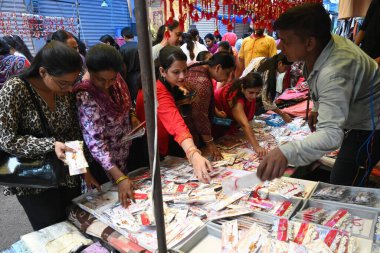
pixel 191 151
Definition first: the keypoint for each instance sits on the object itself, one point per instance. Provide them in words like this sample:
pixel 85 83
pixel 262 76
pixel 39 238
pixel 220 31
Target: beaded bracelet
pixel 122 178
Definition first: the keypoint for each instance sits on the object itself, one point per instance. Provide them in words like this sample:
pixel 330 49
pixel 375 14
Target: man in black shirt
pixel 131 60
pixel 369 34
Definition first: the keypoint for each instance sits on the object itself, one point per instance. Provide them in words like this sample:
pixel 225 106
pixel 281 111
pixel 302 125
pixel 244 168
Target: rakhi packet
pixel 230 236
pixel 76 160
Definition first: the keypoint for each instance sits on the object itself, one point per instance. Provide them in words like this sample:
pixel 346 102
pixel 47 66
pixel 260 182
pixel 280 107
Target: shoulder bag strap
pixel 44 122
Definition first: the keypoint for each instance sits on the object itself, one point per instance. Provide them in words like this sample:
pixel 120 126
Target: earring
pixel 163 78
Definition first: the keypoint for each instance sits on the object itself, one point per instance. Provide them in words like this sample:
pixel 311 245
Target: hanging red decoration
pixel 262 12
pixel 230 27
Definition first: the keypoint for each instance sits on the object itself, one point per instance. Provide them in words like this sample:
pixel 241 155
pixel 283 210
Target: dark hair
pixel 108 39
pixel 81 46
pixel 161 31
pixel 22 48
pixel 104 57
pixel 10 41
pixel 190 41
pixel 4 47
pixel 225 45
pixel 224 59
pixel 202 55
pixel 245 35
pixel 219 37
pixel 252 80
pixel 57 58
pixel 170 54
pixel 307 20
pixel 210 36
pixel 127 33
pixel 61 35
pixel 270 65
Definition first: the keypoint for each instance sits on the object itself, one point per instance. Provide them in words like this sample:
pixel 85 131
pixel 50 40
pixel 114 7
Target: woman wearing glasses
pixel 51 77
pixel 106 115
pixel 170 96
pixel 238 101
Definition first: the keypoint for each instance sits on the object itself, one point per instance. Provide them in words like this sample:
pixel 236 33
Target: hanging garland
pixel 262 12
pixel 35 26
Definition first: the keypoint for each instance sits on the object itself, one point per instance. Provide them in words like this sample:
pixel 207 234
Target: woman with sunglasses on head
pixel 167 35
pixel 51 78
pixel 106 115
pixel 238 101
pixel 200 80
pixel 170 96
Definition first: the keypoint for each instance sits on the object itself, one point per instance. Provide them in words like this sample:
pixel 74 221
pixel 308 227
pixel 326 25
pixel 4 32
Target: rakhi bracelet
pixel 122 178
pixel 211 140
pixel 132 113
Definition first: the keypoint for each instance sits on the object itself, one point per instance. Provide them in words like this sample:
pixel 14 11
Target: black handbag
pixel 45 172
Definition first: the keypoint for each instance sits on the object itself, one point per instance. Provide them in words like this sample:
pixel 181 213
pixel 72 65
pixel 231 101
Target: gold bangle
pixel 122 178
pixel 208 141
pixel 191 154
pixel 133 114
pixel 189 150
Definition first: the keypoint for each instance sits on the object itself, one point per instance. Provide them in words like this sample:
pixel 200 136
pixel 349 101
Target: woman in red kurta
pixel 173 70
pixel 238 101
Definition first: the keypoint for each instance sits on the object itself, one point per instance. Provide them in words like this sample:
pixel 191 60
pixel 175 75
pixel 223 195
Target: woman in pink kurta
pixel 104 108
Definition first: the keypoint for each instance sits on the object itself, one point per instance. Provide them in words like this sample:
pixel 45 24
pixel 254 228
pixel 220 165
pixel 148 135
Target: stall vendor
pixel 345 88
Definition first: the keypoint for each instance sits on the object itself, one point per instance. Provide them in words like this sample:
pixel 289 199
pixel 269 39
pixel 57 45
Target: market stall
pixel 232 213
pixel 235 212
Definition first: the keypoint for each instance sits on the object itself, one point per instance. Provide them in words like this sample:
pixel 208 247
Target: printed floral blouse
pixel 104 130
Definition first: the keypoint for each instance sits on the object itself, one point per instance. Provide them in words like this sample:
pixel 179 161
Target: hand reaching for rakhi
pixel 201 168
pixel 272 166
pixel 91 181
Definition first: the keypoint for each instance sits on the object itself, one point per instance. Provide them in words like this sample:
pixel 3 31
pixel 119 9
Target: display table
pixel 284 215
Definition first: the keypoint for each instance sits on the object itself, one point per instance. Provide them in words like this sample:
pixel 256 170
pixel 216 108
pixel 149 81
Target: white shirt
pixel 156 51
pixel 198 47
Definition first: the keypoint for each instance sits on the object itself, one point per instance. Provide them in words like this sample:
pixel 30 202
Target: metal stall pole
pixel 307 106
pixel 149 89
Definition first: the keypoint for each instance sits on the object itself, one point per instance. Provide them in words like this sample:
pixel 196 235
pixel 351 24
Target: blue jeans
pixel 351 165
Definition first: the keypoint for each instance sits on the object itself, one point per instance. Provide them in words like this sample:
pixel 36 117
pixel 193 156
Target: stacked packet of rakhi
pixel 313 214
pixel 246 221
pixel 277 208
pixel 340 219
pixel 335 193
pixel 230 236
pixel 362 198
pixel 285 188
pixel 252 240
pixel 310 235
pixel 377 231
